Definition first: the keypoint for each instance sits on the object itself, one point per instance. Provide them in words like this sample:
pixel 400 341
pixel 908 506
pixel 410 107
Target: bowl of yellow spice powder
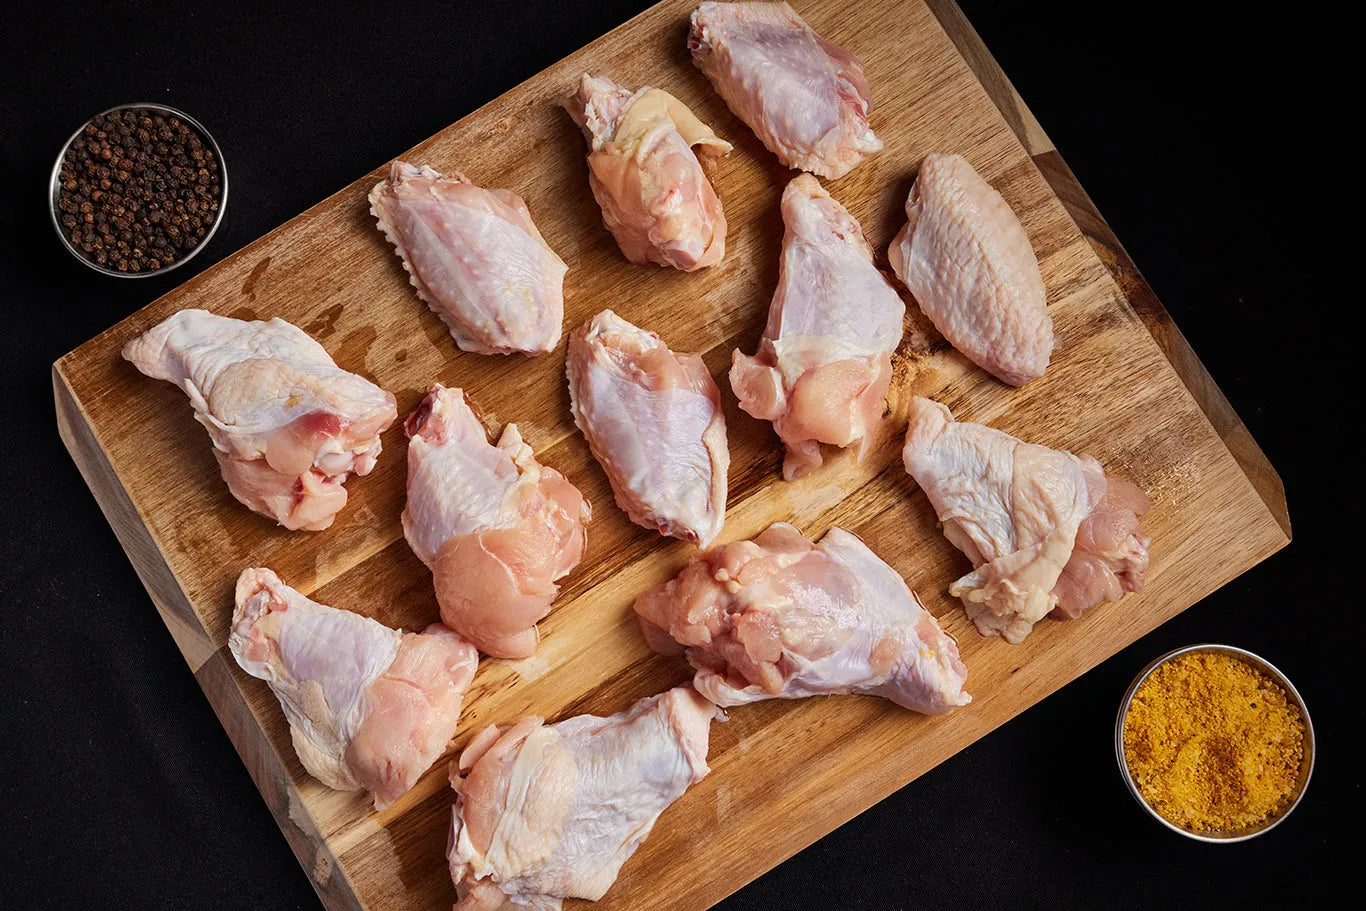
pixel 1215 743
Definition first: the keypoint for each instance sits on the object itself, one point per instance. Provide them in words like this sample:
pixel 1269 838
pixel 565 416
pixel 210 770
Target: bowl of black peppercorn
pixel 138 190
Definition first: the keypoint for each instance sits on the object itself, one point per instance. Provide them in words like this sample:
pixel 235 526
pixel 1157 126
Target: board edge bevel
pixel 208 665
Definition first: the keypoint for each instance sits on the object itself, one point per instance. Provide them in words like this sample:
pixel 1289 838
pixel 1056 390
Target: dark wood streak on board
pixel 249 286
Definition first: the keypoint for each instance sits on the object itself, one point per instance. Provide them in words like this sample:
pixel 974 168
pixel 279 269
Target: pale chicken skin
pixel 824 364
pixel 806 99
pixel 645 168
pixel 475 257
pixel 548 812
pixel 968 261
pixel 780 617
pixel 370 708
pixel 497 528
pixel 1047 531
pixel 653 421
pixel 288 425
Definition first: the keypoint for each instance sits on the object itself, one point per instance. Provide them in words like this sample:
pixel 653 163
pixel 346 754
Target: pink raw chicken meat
pixel 1047 531
pixel 644 170
pixel 475 257
pixel 781 617
pixel 288 425
pixel 497 527
pixel 370 708
pixel 653 421
pixel 968 261
pixel 824 364
pixel 548 812
pixel 805 98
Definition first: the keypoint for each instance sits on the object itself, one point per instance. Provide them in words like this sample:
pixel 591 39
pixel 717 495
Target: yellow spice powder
pixel 1212 743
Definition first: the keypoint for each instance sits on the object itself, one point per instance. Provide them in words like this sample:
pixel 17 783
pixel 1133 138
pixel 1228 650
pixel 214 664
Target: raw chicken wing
pixel 496 526
pixel 653 421
pixel 1046 531
pixel 475 257
pixel 968 261
pixel 781 617
pixel 805 98
pixel 824 363
pixel 646 177
pixel 548 812
pixel 288 425
pixel 370 708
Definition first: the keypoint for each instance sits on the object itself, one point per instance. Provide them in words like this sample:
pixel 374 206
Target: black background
pixel 1193 135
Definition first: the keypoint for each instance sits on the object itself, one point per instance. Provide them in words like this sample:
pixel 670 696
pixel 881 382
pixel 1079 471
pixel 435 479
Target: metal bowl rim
pixel 1257 661
pixel 54 191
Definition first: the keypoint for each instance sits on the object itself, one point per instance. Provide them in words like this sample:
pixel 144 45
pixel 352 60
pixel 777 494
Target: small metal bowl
pixel 1266 667
pixel 54 191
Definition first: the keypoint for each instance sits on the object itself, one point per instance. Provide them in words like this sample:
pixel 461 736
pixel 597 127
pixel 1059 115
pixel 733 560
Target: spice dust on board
pixel 1213 744
pixel 139 190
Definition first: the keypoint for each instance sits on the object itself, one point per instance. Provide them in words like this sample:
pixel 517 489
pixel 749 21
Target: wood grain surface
pixel 1123 386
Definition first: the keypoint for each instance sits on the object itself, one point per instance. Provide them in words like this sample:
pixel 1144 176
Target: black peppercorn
pixel 138 189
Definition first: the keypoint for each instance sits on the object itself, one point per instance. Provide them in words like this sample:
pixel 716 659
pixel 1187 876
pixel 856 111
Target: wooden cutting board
pixel 1123 386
